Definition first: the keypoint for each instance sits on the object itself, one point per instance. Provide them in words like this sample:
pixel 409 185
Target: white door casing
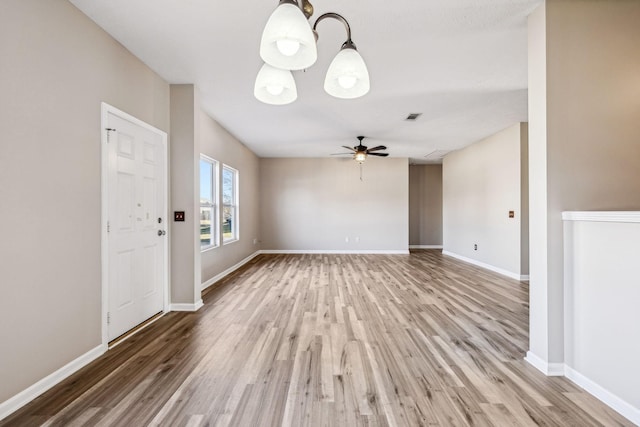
pixel 135 261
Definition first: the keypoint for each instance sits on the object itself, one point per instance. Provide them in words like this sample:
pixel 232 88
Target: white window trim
pixel 215 220
pixel 236 223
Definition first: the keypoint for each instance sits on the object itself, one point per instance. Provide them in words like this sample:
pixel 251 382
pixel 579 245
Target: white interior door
pixel 136 224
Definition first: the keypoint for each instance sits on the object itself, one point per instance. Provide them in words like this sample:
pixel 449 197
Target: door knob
pixel 161 232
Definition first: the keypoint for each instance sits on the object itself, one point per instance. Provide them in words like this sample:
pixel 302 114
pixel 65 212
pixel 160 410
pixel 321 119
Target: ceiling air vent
pixel 413 117
pixel 436 155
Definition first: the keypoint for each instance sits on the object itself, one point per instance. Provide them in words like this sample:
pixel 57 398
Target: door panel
pixel 125 274
pixel 125 196
pixel 149 266
pixel 135 187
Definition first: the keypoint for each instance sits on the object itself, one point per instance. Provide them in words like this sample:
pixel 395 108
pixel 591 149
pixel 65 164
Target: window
pixel 229 204
pixel 208 203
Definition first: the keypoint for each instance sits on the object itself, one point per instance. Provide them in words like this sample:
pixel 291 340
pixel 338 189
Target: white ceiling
pixel 462 63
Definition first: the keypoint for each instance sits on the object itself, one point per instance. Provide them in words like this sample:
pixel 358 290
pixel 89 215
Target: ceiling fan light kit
pixel 360 157
pixel 360 152
pixel 289 43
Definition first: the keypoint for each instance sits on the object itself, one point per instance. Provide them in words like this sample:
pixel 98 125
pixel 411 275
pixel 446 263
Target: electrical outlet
pixel 255 241
pixel 475 246
pixel 346 239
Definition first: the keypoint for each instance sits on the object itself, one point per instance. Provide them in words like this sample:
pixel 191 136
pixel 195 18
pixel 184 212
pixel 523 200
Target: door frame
pixel 107 109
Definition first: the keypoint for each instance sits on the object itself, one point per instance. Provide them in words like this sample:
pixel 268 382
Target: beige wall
pixel 481 184
pixel 315 204
pixel 538 315
pixel 184 170
pixel 524 199
pixel 218 144
pixel 425 205
pixel 601 307
pixel 57 67
pixel 584 147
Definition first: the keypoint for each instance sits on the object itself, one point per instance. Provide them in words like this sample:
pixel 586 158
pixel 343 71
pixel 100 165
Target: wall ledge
pixel 602 216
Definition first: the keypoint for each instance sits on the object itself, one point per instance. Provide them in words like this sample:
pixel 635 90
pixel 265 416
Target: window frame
pixel 215 202
pixel 235 223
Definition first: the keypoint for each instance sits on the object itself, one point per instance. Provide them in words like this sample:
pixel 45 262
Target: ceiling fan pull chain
pixel 360 171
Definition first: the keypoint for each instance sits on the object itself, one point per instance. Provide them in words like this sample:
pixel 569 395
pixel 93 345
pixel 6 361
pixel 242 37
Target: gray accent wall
pixel 319 204
pixel 57 67
pixel 425 205
pixel 481 184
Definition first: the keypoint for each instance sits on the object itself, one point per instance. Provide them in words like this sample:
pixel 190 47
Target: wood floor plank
pixel 330 340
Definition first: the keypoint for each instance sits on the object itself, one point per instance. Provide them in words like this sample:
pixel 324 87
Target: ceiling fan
pixel 360 152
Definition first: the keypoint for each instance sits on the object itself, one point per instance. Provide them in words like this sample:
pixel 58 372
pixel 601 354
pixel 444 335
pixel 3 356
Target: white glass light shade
pixel 287 40
pixel 360 156
pixel 347 76
pixel 275 86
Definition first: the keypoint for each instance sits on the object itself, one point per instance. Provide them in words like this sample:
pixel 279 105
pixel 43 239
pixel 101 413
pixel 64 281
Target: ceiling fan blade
pixel 379 154
pixel 349 148
pixel 379 147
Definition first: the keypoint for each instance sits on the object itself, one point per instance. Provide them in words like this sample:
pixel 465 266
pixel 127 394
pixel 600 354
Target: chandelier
pixel 289 44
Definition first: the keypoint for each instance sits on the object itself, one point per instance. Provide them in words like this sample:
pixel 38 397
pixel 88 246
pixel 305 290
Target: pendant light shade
pixel 347 76
pixel 287 40
pixel 289 44
pixel 275 86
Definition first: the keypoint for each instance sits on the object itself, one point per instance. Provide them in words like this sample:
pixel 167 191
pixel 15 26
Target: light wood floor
pixel 330 340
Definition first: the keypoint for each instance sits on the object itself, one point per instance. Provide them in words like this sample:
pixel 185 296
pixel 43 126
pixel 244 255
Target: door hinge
pixel 108 227
pixel 108 318
pixel 108 133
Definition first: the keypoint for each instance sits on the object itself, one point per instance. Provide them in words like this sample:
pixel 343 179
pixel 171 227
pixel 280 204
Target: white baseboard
pixel 619 405
pixel 339 251
pixel 549 369
pixel 486 266
pixel 19 400
pixel 229 270
pixel 425 246
pixel 187 307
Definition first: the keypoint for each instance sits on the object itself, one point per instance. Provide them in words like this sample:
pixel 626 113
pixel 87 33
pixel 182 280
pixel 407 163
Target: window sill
pixel 208 248
pixel 226 242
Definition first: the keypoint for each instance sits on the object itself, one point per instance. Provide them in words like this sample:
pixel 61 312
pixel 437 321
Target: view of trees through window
pixel 208 205
pixel 229 204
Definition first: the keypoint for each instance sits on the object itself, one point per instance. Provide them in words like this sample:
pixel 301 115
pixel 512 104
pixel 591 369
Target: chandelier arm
pixel 307 8
pixel 339 18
